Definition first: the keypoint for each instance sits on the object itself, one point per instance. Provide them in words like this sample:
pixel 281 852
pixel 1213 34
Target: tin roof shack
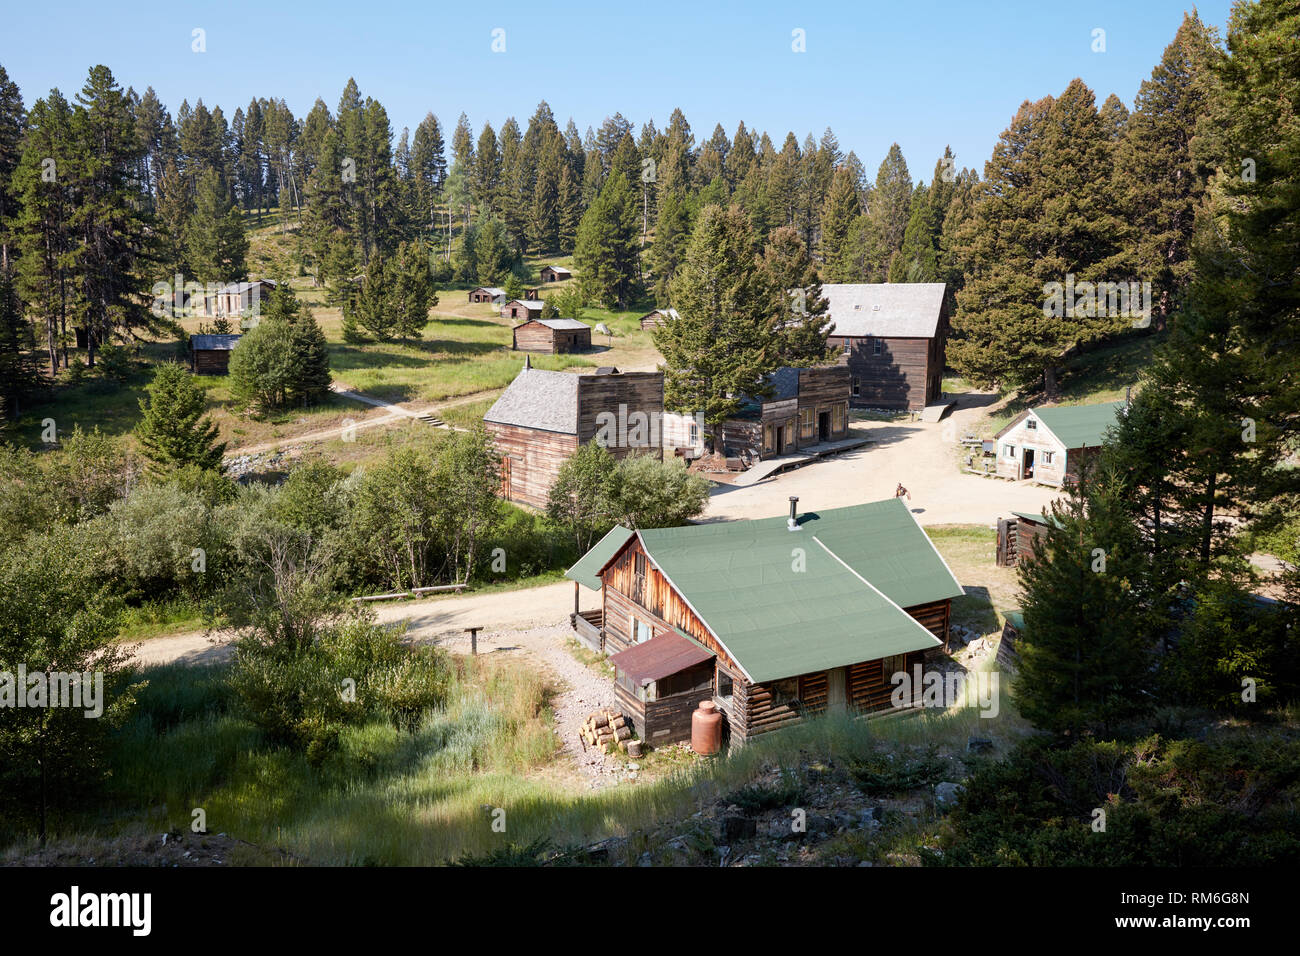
pixel 892 337
pixel 210 354
pixel 1050 444
pixel 1019 537
pixel 807 406
pixel 555 274
pixel 523 309
pixel 542 417
pixel 233 299
pixel 553 336
pixel 488 294
pixel 797 622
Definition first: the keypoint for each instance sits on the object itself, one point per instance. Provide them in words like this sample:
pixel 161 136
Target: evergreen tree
pixel 413 294
pixel 797 323
pixel 608 244
pixel 19 376
pixel 842 208
pixel 890 204
pixel 917 259
pixel 216 244
pixel 174 430
pixel 12 124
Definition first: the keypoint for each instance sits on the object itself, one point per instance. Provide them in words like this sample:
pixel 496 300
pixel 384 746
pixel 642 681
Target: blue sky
pixel 919 72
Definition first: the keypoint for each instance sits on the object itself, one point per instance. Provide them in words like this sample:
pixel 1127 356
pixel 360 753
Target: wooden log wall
pixel 934 617
pixel 668 720
pixel 534 337
pixel 535 460
pixel 211 361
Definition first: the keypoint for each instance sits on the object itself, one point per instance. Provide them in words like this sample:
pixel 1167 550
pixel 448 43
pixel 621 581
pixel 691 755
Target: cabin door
pixel 1028 470
pixel 823 426
pixel 837 698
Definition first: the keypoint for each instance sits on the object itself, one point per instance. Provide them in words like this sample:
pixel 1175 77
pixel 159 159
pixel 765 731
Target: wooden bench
pixel 414 592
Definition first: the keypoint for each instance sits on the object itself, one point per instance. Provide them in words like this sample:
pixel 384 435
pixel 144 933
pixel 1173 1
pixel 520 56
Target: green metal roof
pixel 587 571
pixel 1038 518
pixel 789 602
pixel 1079 425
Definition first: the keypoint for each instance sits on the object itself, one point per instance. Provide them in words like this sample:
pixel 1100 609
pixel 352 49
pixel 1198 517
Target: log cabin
pixel 1019 537
pixel 522 309
pixel 804 407
pixel 1050 444
pixel 488 294
pixel 555 274
pixel 652 320
pixel 552 336
pixel 891 335
pixel 774 619
pixel 543 417
pixel 233 299
pixel 210 354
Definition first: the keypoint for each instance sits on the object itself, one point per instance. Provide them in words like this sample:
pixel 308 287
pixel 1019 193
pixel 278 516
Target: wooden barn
pixel 1050 444
pixel 552 335
pixel 542 418
pixel 232 300
pixel 807 406
pixel 555 274
pixel 488 294
pixel 891 336
pixel 652 320
pixel 210 354
pixel 1018 537
pixel 722 612
pixel 522 309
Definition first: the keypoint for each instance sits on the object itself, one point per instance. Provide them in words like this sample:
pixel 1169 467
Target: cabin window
pixel 725 686
pixel 847 347
pixel 857 385
pixel 807 422
pixel 785 692
pixel 695 434
pixel 838 415
pixel 877 347
pixel 1009 451
pixel 1031 424
pixel 639 631
pixel 1048 456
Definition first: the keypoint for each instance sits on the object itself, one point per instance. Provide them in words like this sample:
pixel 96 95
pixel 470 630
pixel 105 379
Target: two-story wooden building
pixel 542 418
pixel 1051 443
pixel 891 336
pixel 803 407
pixel 775 619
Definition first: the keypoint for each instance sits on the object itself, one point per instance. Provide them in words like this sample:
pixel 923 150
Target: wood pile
pixel 606 728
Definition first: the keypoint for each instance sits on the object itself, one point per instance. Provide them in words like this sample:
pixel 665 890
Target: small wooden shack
pixel 555 274
pixel 232 300
pixel 721 612
pixel 1050 444
pixel 533 295
pixel 553 336
pixel 891 336
pixel 522 309
pixel 805 407
pixel 488 294
pixel 210 354
pixel 542 418
pixel 652 320
pixel 1019 535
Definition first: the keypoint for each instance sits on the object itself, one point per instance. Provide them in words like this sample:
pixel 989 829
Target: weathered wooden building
pixel 210 354
pixel 232 300
pixel 1051 443
pixel 892 336
pixel 542 418
pixel 1019 537
pixel 806 406
pixel 652 320
pixel 522 309
pixel 775 619
pixel 553 336
pixel 488 294
pixel 555 274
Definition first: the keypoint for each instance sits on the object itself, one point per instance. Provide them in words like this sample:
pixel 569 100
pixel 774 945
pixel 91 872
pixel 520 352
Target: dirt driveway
pixel 921 455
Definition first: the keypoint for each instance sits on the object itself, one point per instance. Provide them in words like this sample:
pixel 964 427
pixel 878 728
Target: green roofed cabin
pixel 797 616
pixel 1051 443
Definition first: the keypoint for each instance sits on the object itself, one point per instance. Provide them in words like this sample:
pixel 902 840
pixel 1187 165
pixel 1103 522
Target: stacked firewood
pixel 606 728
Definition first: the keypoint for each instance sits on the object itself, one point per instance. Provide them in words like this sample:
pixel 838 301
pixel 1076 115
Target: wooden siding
pixel 211 361
pixel 535 457
pixel 535 337
pixel 934 617
pixel 899 377
pixel 637 392
pixel 1021 437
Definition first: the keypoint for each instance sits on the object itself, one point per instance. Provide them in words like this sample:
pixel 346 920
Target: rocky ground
pixel 178 848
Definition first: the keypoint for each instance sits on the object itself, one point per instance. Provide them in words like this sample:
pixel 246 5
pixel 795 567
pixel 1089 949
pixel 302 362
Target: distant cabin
pixel 542 418
pixel 720 612
pixel 230 301
pixel 891 337
pixel 488 294
pixel 1019 537
pixel 1050 444
pixel 652 320
pixel 522 309
pixel 552 336
pixel 533 295
pixel 555 274
pixel 210 354
pixel 807 406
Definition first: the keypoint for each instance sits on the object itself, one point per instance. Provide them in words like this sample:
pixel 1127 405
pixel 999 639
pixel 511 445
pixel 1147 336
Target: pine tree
pixel 890 204
pixel 797 326
pixel 917 259
pixel 19 376
pixel 608 244
pixel 13 121
pixel 412 294
pixel 841 209
pixel 174 430
pixel 216 244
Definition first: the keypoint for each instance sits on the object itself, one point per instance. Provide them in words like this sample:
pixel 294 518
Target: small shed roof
pixel 213 343
pixel 490 289
pixel 532 305
pixel 666 313
pixel 884 309
pixel 564 325
pixel 539 399
pixel 660 656
pixel 560 270
pixel 1079 425
pixel 1038 518
pixel 587 571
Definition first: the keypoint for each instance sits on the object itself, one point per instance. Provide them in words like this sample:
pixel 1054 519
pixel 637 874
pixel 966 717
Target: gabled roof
pixel 787 602
pixel 587 571
pixel 532 305
pixel 213 343
pixel 666 313
pixel 490 289
pixel 1078 425
pixel 539 399
pixel 559 269
pixel 884 309
pixel 563 324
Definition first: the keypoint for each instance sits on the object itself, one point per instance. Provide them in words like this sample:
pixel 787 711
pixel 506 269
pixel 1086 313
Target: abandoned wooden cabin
pixel 1050 444
pixel 652 320
pixel 775 619
pixel 232 300
pixel 553 336
pixel 1019 536
pixel 542 418
pixel 555 274
pixel 522 309
pixel 488 294
pixel 891 335
pixel 805 407
pixel 210 354
pixel 533 294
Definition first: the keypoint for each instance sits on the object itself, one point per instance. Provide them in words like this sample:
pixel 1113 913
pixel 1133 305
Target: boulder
pixel 946 793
